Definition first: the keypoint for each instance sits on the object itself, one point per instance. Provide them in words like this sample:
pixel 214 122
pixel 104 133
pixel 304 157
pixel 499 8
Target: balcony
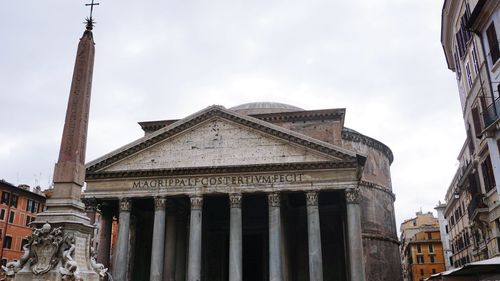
pixel 477 209
pixel 492 113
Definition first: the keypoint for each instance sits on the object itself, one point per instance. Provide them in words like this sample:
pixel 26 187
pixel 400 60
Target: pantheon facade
pixel 260 191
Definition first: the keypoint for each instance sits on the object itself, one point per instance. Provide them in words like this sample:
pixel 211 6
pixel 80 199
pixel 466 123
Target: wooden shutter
pixel 493 42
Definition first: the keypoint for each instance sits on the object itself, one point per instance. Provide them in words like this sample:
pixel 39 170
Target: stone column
pixel 104 246
pixel 170 243
pixel 194 258
pixel 235 239
pixel 275 259
pixel 314 237
pixel 354 234
pixel 180 245
pixel 156 269
pixel 120 263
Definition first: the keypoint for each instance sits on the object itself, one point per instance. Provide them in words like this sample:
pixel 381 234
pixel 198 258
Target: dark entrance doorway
pixel 255 238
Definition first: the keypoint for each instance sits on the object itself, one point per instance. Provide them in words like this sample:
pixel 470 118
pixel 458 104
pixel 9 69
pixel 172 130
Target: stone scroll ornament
pixel 40 253
pixel 46 248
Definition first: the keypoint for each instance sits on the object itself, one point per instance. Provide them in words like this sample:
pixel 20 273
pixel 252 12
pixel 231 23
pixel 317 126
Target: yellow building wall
pixel 427 266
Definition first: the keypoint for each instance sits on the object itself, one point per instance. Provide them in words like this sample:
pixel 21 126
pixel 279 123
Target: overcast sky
pixel 380 59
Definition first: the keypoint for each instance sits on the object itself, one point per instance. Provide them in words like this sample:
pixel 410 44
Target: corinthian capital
pixel 235 200
pixel 196 202
pixel 273 199
pixel 312 198
pixel 160 203
pixel 125 204
pixel 352 196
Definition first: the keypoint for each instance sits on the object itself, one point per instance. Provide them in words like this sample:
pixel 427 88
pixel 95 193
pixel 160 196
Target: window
pixel 5 197
pixel 477 121
pixel 2 214
pixel 433 271
pixel 419 248
pixel 28 205
pixel 414 222
pixel 431 258
pixel 421 271
pixel 429 236
pixel 489 178
pixel 420 259
pixel 4 262
pixel 458 69
pixel 11 217
pixel 13 202
pixel 7 242
pixel 23 242
pixel 474 60
pixel 468 74
pixel 28 220
pixel 35 207
pixel 491 35
pixel 431 248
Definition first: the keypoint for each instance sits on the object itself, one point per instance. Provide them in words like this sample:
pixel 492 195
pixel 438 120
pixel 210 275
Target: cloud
pixel 382 60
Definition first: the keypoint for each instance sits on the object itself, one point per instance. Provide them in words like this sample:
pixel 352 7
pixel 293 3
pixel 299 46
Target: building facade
pixel 421 249
pixel 445 237
pixel 261 191
pixel 18 208
pixel 470 42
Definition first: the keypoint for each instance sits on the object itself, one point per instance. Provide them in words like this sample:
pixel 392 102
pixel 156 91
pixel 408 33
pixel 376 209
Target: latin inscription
pixel 217 181
pixel 81 251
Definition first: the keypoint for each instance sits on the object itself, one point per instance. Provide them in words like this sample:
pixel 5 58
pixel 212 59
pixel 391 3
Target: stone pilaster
pixel 235 239
pixel 314 237
pixel 275 258
pixel 194 258
pixel 354 232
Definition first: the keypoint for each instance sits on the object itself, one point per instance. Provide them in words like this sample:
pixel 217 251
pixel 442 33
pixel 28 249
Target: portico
pixel 224 196
pixel 238 236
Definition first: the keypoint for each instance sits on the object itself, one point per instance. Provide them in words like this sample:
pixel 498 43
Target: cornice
pixel 212 112
pixel 371 185
pixel 353 136
pixel 223 170
pixel 372 236
pixel 306 115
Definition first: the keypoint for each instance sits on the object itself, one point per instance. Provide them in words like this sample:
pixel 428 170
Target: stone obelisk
pixel 59 248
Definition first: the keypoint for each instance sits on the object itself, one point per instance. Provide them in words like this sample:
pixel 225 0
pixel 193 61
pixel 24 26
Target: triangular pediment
pixel 216 137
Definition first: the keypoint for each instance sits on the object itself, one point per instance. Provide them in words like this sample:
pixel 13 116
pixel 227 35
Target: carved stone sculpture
pixel 45 243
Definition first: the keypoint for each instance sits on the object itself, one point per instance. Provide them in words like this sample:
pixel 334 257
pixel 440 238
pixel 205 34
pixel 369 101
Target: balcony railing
pixel 476 206
pixel 492 113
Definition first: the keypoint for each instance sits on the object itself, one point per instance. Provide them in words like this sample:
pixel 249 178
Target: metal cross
pixel 91 7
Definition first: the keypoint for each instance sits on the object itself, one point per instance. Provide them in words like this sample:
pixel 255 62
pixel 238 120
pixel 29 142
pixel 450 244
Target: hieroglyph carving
pixel 352 196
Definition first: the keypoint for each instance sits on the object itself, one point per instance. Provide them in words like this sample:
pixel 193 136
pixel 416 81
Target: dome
pixel 264 107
